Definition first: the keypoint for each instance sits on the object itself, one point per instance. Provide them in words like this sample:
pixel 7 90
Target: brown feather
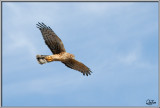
pixel 51 39
pixel 76 65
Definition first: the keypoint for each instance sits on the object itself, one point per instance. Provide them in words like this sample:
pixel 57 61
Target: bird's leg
pixel 42 59
pixel 55 57
pixel 49 58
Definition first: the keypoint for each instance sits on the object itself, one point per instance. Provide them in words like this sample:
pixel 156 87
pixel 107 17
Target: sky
pixel 118 41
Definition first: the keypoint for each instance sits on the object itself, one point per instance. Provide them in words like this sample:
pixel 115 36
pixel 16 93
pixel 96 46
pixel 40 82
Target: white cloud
pixel 19 42
pixel 102 7
pixel 48 85
pixel 130 57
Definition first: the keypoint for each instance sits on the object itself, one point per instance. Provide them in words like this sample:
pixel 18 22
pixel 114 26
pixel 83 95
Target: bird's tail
pixel 41 59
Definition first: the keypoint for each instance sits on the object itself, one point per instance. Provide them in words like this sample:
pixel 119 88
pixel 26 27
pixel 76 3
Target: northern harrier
pixel 59 53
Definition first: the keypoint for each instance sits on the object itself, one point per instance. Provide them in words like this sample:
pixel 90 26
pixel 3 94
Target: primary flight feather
pixel 55 44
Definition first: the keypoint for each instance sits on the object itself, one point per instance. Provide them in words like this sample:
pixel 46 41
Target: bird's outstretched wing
pixel 76 65
pixel 51 39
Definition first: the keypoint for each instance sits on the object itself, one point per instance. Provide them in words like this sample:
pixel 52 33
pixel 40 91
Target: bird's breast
pixel 65 56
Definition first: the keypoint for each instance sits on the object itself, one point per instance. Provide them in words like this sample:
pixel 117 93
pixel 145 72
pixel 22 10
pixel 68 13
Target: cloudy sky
pixel 117 40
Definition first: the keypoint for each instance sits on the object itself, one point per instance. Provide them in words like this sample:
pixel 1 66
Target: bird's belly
pixel 62 56
pixel 65 56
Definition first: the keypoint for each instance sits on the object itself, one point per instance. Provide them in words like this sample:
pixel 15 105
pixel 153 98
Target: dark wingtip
pixel 87 73
pixel 39 25
pixel 42 25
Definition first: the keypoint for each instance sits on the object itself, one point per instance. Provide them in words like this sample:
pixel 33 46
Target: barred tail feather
pixel 41 59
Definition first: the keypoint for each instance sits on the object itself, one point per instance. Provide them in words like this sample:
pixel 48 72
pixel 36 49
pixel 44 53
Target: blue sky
pixel 117 40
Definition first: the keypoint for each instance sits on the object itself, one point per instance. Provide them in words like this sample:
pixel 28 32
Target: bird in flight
pixel 56 46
